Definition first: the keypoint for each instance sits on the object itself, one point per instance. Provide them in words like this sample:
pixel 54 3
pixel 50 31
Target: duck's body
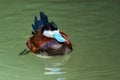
pixel 48 39
pixel 42 44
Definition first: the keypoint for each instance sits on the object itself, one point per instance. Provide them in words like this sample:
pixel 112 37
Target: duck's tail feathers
pixel 40 23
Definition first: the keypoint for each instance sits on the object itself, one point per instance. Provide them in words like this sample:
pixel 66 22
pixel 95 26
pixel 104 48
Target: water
pixel 93 27
pixel 55 66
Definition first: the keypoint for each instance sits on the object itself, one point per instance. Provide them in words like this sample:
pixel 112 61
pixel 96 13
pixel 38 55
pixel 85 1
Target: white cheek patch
pixel 49 33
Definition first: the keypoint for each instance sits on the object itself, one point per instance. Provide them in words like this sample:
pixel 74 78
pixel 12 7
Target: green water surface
pixel 92 25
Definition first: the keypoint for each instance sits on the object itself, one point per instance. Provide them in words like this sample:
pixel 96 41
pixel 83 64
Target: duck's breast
pixel 51 44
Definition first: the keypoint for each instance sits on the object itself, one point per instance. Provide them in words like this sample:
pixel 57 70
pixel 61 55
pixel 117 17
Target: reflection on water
pixel 54 65
pixel 55 70
pixel 61 78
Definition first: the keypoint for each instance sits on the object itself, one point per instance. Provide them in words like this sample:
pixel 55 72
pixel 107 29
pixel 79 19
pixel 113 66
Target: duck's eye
pixel 33 33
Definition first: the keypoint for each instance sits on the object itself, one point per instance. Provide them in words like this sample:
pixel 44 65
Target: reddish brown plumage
pixel 39 43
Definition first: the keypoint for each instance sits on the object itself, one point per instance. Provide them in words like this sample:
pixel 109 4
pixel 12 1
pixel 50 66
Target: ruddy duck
pixel 47 39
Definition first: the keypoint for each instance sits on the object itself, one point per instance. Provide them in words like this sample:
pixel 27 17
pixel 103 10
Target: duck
pixel 47 38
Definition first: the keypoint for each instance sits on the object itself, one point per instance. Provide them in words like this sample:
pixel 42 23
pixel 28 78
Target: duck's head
pixel 51 30
pixel 48 29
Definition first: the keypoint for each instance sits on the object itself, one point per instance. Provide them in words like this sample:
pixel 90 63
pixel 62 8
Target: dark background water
pixel 92 25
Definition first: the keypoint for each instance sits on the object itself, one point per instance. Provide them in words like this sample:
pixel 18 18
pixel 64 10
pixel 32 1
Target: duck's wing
pixel 39 23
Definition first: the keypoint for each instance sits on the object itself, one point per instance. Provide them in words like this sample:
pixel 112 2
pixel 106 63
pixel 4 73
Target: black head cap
pixel 50 26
